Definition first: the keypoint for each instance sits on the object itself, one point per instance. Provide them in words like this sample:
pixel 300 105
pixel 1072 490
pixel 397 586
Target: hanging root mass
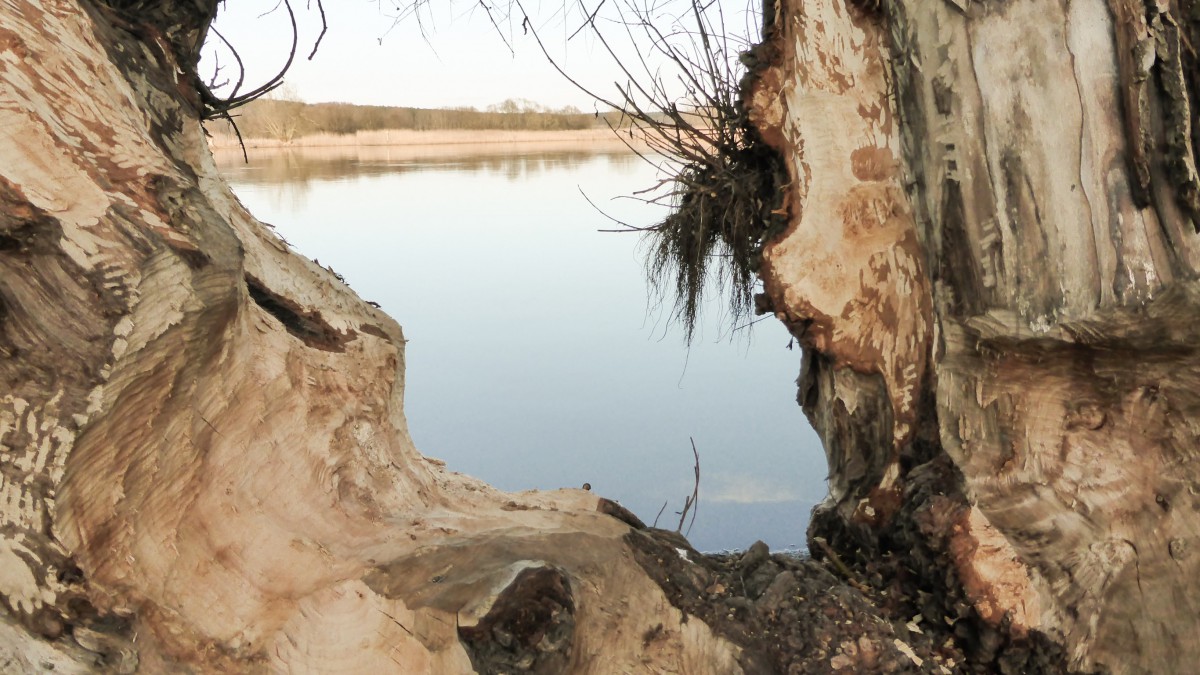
pixel 726 182
pixel 683 99
pixel 726 209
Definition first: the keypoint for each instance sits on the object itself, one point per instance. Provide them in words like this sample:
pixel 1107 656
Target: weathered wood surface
pixel 996 202
pixel 204 461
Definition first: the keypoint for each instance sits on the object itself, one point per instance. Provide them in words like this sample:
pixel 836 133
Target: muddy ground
pixel 887 603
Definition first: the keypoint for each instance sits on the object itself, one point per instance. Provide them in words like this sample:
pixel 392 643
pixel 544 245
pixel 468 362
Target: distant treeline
pixel 285 120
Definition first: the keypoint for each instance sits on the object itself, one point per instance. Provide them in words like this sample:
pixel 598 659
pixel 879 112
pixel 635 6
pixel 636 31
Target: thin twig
pixel 841 567
pixel 236 57
pixel 660 512
pixel 627 226
pixel 237 132
pixel 488 9
pixel 690 503
pixel 324 28
pixel 695 488
pixel 587 22
pixel 219 107
pixel 724 185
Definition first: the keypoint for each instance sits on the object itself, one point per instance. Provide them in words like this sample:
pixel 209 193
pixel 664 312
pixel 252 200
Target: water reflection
pixel 292 171
pixel 533 360
pixel 299 166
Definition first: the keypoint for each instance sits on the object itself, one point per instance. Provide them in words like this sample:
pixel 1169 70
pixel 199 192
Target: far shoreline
pixel 591 140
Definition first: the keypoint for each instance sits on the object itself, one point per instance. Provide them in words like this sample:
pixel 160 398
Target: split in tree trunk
pixel 990 257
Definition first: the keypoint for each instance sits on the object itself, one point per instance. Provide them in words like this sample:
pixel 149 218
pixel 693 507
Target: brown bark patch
pixel 873 163
pixel 11 42
pixel 372 329
pixel 610 508
pixel 994 578
pixel 868 208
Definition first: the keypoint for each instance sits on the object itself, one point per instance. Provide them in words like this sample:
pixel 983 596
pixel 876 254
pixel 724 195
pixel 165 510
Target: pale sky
pixel 461 61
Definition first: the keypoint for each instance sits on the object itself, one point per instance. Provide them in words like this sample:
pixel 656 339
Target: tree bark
pixel 992 260
pixel 205 463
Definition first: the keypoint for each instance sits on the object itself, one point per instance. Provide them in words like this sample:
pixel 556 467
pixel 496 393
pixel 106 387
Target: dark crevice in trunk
pixel 529 629
pixel 308 326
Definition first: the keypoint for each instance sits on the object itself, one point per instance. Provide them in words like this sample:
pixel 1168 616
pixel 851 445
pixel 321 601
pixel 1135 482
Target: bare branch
pixel 237 57
pixel 488 8
pixel 218 107
pixel 691 503
pixel 590 21
pixel 627 226
pixel 324 28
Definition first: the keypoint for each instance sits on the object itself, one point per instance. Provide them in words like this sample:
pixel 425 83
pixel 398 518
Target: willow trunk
pixel 992 260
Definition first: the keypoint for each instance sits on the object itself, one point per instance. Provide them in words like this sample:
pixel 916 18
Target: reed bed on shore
pixel 589 138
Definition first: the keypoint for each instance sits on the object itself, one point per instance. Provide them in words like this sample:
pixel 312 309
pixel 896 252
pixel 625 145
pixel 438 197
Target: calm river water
pixel 536 356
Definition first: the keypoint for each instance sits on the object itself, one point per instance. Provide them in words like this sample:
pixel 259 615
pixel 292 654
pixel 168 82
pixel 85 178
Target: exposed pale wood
pixel 1044 190
pixel 205 458
pixel 848 272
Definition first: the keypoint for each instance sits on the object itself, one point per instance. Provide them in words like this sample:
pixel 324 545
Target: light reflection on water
pixel 535 359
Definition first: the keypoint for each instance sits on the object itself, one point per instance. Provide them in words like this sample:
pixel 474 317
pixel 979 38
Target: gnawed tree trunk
pixel 992 257
pixel 205 463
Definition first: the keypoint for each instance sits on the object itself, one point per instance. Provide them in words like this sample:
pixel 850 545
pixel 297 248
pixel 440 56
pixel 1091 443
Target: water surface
pixel 536 357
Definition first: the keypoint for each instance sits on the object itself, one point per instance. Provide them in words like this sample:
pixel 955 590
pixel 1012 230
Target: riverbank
pixel 582 139
pixel 403 145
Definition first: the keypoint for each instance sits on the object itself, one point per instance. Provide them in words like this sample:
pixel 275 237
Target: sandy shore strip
pixel 589 138
pixel 423 145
